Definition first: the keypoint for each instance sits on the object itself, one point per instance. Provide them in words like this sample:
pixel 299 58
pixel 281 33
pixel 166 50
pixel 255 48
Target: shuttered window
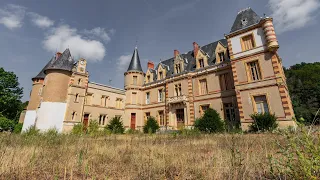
pixel 203 87
pixel 248 42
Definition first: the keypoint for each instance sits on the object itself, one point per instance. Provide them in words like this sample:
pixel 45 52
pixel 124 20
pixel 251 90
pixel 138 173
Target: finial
pixel 136 43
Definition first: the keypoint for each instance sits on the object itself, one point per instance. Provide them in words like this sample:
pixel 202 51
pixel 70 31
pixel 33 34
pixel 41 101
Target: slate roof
pixel 190 61
pixel 135 64
pixel 41 74
pixel 64 62
pixel 247 15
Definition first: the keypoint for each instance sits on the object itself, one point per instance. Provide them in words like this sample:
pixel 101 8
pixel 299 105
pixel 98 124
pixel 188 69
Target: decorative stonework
pixel 177 99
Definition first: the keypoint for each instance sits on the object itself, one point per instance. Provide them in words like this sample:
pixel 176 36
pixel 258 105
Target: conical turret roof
pixel 135 64
pixel 244 19
pixel 64 62
pixel 41 74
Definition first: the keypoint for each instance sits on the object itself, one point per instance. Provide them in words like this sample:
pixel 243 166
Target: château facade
pixel 238 75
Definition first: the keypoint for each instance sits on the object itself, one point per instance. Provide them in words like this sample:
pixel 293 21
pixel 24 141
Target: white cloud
pixel 12 16
pixel 40 21
pixel 99 33
pixel 64 36
pixel 123 62
pixel 293 14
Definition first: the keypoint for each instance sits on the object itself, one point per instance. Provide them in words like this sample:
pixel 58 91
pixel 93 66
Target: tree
pixel 304 86
pixel 10 95
pixel 115 126
pixel 210 122
pixel 151 126
pixel 263 122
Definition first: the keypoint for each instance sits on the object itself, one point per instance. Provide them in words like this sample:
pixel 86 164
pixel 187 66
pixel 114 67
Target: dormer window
pixel 160 75
pixel 148 78
pixel 201 63
pixel 178 68
pixel 221 56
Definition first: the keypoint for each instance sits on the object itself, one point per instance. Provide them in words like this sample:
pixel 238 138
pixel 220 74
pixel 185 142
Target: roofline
pixel 106 86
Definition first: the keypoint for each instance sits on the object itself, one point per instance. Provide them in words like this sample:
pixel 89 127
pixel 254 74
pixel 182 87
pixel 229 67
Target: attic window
pixel 148 79
pixel 244 22
pixel 201 63
pixel 160 75
pixel 221 56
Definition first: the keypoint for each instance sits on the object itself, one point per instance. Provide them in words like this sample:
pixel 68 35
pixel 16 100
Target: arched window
pixel 76 98
pixel 73 115
pixel 79 81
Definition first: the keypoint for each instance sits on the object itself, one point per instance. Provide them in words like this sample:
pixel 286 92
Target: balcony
pixel 177 99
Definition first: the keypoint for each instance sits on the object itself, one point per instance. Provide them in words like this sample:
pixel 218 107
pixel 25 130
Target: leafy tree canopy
pixel 10 95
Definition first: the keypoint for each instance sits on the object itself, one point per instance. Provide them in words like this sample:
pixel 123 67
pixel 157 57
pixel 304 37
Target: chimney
pixel 195 49
pixel 58 54
pixel 176 53
pixel 150 65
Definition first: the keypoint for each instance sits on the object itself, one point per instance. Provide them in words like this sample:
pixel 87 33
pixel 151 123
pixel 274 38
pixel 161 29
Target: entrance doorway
pixel 180 118
pixel 85 121
pixel 133 121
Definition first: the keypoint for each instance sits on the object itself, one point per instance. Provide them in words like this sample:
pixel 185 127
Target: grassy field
pixel 217 156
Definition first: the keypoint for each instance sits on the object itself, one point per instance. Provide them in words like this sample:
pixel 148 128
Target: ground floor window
pixel 102 119
pixel 203 108
pixel 229 112
pixel 261 104
pixel 161 118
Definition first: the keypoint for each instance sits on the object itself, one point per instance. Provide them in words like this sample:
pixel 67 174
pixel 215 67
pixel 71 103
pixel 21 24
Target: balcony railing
pixel 177 99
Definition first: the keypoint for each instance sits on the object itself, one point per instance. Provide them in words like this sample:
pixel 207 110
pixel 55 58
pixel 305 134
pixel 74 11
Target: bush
pixel 210 122
pixel 151 125
pixel 93 127
pixel 6 124
pixel 263 122
pixel 77 129
pixel 115 126
pixel 32 131
pixel 17 128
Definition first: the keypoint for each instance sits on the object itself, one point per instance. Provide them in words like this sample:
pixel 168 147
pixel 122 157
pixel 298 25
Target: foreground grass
pixel 219 156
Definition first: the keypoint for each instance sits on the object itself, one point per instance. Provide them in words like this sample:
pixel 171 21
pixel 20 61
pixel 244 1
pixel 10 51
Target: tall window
pixel 178 68
pixel 76 99
pixel 225 81
pixel 160 75
pixel 118 103
pixel 261 104
pixel 203 108
pixel 147 115
pixel 73 116
pixel 229 112
pixel 148 79
pixel 203 87
pixel 79 81
pixel 161 118
pixel 247 42
pixel 254 70
pixel 102 119
pixel 134 98
pixel 104 100
pixel 147 97
pixel 201 63
pixel 135 79
pixel 160 95
pixel 177 89
pixel 221 56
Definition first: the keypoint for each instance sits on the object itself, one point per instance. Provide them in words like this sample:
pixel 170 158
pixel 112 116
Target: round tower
pixel 55 92
pixel 134 80
pixel 270 34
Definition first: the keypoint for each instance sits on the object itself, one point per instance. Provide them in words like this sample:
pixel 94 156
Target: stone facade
pixel 237 76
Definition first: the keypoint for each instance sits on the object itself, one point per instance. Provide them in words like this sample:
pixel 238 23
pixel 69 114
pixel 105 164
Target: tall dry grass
pixel 219 156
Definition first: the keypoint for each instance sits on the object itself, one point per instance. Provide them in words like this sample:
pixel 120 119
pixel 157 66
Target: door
pixel 85 121
pixel 161 118
pixel 180 118
pixel 133 121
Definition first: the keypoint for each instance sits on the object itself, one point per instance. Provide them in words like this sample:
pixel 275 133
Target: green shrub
pixel 93 128
pixel 115 126
pixel 132 131
pixel 78 129
pixel 52 132
pixel 210 122
pixel 299 157
pixel 31 131
pixel 151 125
pixel 6 124
pixel 17 128
pixel 263 122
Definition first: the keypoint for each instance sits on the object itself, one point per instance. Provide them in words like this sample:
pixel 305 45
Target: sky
pixel 105 32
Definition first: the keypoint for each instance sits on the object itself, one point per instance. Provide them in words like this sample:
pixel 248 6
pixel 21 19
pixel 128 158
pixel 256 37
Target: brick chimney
pixel 176 53
pixel 58 54
pixel 150 65
pixel 195 49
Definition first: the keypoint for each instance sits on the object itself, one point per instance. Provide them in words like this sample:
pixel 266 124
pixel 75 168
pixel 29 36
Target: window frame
pixel 201 112
pixel 200 88
pixel 201 60
pixel 147 97
pixel 252 96
pixel 160 100
pixel 136 94
pixel 135 80
pixel 179 88
pixel 76 98
pixel 254 45
pixel 249 72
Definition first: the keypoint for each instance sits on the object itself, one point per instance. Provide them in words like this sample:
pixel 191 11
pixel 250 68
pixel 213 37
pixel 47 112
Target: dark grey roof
pixel 41 74
pixel 190 61
pixel 248 16
pixel 135 64
pixel 64 62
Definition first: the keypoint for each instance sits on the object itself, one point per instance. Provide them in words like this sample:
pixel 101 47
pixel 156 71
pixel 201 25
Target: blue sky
pixel 105 32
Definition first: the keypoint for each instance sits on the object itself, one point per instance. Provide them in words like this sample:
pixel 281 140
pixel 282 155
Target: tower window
pixel 73 115
pixel 76 99
pixel 134 98
pixel 247 42
pixel 201 63
pixel 254 70
pixel 79 81
pixel 135 79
